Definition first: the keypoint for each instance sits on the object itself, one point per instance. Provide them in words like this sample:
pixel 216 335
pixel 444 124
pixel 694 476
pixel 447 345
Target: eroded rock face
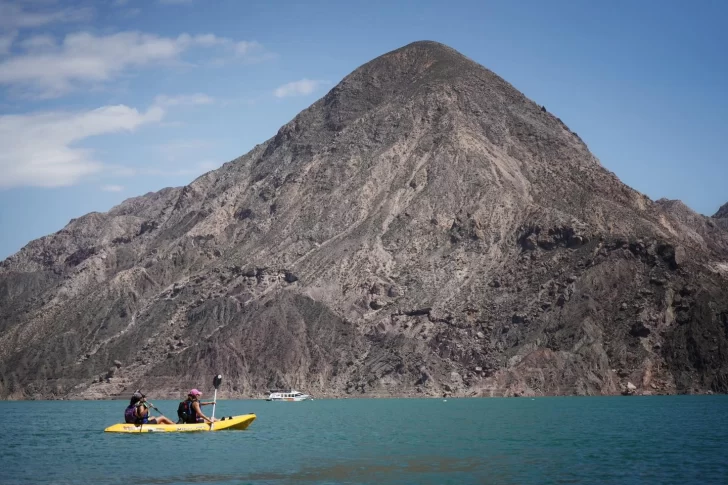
pixel 423 228
pixel 721 217
pixel 722 212
pixel 699 230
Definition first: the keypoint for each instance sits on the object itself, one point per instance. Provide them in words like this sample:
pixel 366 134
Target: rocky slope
pixel 705 232
pixel 721 217
pixel 422 229
pixel 722 212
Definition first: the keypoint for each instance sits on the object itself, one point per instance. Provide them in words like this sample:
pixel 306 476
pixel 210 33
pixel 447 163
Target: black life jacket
pixel 185 413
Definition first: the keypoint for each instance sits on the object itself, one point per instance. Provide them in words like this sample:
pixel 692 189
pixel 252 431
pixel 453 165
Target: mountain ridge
pixel 423 228
pixel 722 212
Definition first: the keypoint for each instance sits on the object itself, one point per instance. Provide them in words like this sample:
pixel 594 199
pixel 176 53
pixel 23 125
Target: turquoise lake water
pixel 584 440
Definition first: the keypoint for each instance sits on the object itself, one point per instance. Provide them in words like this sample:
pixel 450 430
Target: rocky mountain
pixel 722 216
pixel 706 232
pixel 422 229
pixel 722 212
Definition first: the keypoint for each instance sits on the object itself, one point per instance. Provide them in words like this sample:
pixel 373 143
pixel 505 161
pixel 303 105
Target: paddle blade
pixel 217 381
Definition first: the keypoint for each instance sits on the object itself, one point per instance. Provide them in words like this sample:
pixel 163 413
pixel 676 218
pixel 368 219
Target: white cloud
pixel 244 47
pixel 298 88
pixel 85 58
pixel 38 148
pixel 6 41
pixel 248 52
pixel 184 100
pixel 204 40
pixel 14 16
pixel 119 3
pixel 38 43
pixel 112 188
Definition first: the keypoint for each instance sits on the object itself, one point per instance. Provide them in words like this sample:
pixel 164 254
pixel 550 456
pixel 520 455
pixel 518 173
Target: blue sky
pixel 105 100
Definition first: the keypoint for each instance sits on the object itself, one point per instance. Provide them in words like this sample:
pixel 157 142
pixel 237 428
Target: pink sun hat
pixel 195 392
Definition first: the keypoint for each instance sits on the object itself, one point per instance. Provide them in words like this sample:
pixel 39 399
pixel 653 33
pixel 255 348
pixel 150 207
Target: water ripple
pixel 615 440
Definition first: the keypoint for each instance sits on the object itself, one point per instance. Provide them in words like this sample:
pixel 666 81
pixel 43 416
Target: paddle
pixel 154 407
pixel 148 404
pixel 215 383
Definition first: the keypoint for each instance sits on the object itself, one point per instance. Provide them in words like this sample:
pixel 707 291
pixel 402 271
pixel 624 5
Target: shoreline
pixel 340 398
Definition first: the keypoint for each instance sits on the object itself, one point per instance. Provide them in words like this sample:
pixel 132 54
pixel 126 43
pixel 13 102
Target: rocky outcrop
pixel 422 229
pixel 629 390
pixel 722 212
pixel 721 217
pixel 693 229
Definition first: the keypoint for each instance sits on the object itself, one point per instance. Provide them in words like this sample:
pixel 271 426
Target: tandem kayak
pixel 230 422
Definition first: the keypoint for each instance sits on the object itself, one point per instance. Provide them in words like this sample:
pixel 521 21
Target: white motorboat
pixel 287 395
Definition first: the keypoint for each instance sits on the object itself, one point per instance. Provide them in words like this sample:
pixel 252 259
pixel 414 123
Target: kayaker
pixel 189 410
pixel 137 412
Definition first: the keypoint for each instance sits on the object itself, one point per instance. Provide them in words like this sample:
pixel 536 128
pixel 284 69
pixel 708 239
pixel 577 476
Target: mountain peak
pixel 411 61
pixel 722 212
pixel 411 75
pixel 430 47
pixel 675 206
pixel 426 77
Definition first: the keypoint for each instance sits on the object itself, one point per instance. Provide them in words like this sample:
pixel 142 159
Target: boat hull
pixel 288 395
pixel 238 423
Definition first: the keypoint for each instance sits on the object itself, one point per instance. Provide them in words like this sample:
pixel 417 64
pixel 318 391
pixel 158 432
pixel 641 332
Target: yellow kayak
pixel 232 422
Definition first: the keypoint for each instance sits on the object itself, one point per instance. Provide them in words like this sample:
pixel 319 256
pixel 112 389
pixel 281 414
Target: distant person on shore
pixel 137 412
pixel 189 410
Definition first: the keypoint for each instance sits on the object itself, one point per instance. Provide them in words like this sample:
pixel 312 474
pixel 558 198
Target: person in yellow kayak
pixel 190 411
pixel 137 412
